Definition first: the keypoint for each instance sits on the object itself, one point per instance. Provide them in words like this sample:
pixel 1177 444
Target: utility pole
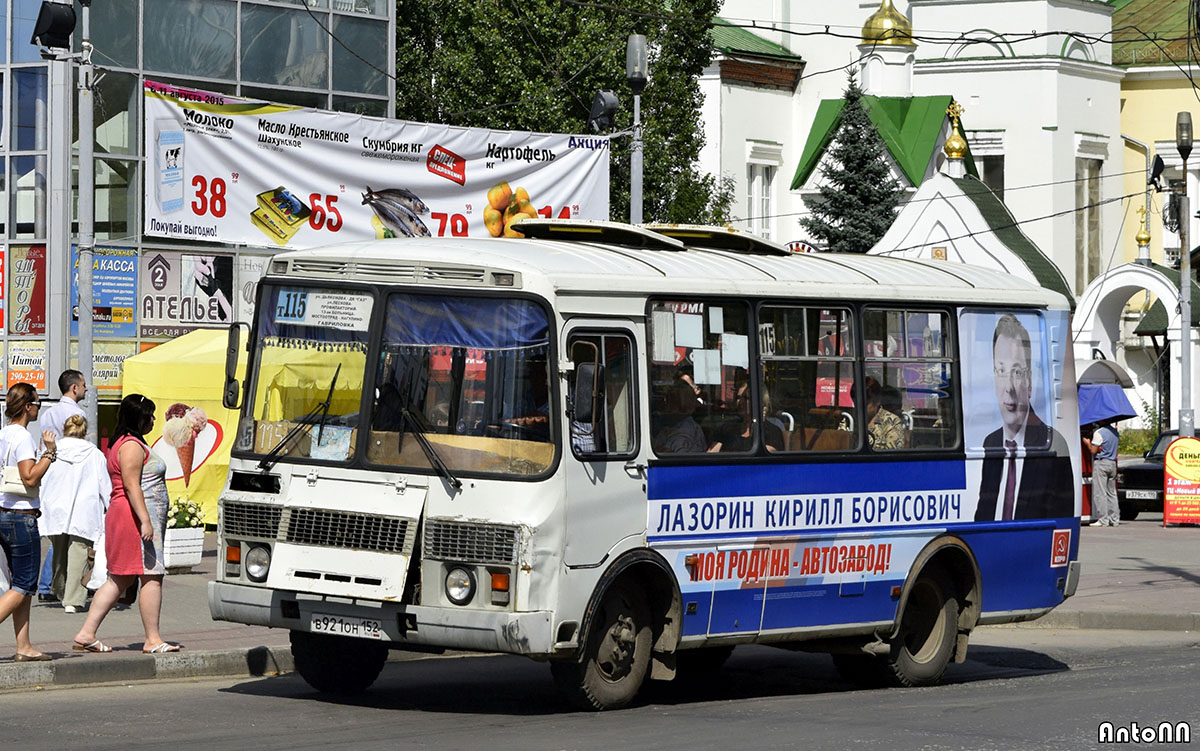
pixel 87 211
pixel 1183 141
pixel 637 74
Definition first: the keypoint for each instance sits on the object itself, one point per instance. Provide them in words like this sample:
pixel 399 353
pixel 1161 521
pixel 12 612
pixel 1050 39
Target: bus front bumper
pixel 452 628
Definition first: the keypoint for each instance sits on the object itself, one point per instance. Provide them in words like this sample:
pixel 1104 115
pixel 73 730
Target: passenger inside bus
pixel 532 413
pixel 739 436
pixel 675 432
pixel 885 431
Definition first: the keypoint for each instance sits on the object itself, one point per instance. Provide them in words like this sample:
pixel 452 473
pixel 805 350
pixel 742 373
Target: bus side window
pixel 612 429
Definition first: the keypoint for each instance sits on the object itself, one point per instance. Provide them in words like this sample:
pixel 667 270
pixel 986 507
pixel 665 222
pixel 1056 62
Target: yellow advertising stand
pixel 189 371
pixel 1181 480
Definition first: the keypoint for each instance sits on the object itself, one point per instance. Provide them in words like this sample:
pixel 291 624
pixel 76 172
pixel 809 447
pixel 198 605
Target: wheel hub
pixel 616 654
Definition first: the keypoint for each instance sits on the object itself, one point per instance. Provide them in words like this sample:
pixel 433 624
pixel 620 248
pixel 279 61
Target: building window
pixel 760 184
pixel 991 172
pixel 1087 222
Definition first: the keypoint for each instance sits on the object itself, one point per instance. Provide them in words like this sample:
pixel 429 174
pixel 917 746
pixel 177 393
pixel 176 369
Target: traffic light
pixel 604 107
pixel 54 26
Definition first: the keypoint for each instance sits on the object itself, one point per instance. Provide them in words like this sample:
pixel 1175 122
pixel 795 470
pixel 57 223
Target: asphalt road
pixel 1019 689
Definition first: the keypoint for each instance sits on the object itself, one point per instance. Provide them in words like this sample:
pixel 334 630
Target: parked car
pixel 1140 484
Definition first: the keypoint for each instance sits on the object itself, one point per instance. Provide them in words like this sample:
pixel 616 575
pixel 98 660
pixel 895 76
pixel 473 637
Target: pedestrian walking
pixel 133 528
pixel 74 493
pixel 73 389
pixel 19 509
pixel 1103 444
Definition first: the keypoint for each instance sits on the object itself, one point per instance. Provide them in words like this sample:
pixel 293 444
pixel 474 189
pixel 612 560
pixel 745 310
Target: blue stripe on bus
pixel 732 480
pixel 1014 567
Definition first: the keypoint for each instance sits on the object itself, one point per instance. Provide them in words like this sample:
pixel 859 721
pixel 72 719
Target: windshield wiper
pixel 303 425
pixel 431 454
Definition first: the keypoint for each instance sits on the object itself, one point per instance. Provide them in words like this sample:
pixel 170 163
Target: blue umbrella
pixel 1103 401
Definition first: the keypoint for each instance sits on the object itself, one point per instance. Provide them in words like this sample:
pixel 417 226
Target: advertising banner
pixel 27 362
pixel 27 270
pixel 114 291
pixel 224 169
pixel 1181 481
pixel 108 359
pixel 181 292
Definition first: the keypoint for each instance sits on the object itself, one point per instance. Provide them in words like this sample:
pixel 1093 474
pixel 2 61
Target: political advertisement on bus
pixel 232 170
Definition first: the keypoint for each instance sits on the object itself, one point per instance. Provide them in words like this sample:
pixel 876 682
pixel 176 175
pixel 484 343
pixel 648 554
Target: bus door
pixel 603 463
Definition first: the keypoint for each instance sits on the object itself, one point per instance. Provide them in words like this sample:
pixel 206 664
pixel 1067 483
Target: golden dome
pixel 888 26
pixel 1143 235
pixel 955 146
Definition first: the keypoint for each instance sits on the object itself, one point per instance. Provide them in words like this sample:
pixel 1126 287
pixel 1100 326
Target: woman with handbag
pixel 19 510
pixel 75 493
pixel 133 528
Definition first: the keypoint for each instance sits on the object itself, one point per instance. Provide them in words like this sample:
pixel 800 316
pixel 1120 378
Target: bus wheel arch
pixel 939 606
pixel 633 613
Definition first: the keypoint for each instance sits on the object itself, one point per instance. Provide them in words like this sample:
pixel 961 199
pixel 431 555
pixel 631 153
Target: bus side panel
pixel 1023 565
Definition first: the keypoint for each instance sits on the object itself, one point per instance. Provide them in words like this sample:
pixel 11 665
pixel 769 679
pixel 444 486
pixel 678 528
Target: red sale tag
pixel 1060 548
pixel 446 163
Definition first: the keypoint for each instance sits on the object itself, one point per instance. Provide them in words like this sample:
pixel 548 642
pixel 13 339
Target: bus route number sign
pixel 335 310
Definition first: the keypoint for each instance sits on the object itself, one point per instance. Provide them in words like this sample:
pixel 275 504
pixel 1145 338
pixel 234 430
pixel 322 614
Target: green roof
pixel 1139 25
pixel 735 39
pixel 1154 323
pixel 909 127
pixel 1008 231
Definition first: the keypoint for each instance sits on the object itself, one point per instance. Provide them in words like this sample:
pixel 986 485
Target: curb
pixel 1115 620
pixel 251 662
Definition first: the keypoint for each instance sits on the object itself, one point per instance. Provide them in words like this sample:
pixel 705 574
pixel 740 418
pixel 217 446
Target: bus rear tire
pixel 616 657
pixel 337 664
pixel 928 629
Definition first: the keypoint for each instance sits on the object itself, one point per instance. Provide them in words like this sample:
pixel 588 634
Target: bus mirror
pixel 230 398
pixel 586 390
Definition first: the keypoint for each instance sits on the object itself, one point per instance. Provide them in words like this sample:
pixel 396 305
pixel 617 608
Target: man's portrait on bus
pixel 1026 467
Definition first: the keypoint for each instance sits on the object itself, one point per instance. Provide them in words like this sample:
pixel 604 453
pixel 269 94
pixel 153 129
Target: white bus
pixel 627 450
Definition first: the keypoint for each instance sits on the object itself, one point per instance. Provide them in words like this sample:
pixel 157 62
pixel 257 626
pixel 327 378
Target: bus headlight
pixel 460 585
pixel 257 562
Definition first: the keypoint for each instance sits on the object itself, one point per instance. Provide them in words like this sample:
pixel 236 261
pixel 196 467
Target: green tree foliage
pixel 858 198
pixel 535 64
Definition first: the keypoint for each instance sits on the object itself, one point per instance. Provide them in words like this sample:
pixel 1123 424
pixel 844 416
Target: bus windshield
pixel 472 375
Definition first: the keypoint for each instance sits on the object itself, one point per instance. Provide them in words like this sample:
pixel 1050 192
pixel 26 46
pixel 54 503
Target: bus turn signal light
pixel 233 554
pixel 500 582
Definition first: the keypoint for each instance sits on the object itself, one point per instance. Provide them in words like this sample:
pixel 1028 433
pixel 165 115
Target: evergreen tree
pixel 535 64
pixel 857 200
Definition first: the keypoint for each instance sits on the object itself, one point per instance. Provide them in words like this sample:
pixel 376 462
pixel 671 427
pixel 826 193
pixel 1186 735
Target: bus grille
pixel 470 543
pixel 250 520
pixel 341 529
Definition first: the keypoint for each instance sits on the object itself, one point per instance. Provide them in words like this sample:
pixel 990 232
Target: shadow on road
pixel 508 685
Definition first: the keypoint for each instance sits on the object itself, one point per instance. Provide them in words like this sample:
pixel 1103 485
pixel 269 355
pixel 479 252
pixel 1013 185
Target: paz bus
pixel 627 450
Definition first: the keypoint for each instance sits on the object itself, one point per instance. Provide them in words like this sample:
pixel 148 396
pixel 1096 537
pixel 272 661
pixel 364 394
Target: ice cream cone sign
pixel 184 424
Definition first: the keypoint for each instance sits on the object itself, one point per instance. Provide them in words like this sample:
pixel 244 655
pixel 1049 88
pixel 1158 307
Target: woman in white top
pixel 74 495
pixel 18 513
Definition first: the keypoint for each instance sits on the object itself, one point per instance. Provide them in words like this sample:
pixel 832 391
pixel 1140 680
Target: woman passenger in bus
pixel 675 432
pixel 885 430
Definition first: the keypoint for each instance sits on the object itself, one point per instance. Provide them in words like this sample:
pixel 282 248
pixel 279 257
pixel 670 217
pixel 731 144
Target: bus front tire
pixel 337 664
pixel 928 628
pixel 616 656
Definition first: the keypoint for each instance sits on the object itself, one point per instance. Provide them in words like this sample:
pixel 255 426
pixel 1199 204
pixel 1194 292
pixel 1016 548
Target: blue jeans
pixel 22 548
pixel 47 571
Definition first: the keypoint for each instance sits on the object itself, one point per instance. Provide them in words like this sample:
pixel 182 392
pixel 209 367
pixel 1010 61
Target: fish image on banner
pixel 397 210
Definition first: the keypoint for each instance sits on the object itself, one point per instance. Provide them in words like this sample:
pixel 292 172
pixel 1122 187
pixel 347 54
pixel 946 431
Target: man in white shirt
pixel 73 389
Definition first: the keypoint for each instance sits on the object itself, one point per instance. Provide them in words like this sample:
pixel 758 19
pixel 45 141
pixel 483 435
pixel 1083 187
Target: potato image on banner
pixel 499 196
pixel 494 221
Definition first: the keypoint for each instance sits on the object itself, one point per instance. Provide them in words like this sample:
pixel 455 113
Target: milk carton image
pixel 168 164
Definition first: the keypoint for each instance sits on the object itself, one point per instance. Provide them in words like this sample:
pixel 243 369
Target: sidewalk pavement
pixel 1139 576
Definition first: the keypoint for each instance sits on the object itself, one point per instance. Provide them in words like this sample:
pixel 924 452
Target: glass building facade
pixel 327 54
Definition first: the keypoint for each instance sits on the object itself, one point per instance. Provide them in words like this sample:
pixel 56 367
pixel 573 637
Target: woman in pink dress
pixel 133 528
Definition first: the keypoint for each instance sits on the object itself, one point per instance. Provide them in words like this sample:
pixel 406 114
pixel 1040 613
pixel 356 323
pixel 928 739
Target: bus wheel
pixel 925 643
pixel 616 657
pixel 337 664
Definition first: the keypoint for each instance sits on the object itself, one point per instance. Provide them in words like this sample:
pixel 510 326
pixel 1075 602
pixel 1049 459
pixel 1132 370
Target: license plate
pixel 1142 494
pixel 363 628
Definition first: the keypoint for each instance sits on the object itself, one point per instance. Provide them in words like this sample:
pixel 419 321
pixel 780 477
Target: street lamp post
pixel 87 232
pixel 637 74
pixel 1183 141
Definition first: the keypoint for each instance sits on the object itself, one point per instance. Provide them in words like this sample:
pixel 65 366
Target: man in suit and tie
pixel 1027 464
